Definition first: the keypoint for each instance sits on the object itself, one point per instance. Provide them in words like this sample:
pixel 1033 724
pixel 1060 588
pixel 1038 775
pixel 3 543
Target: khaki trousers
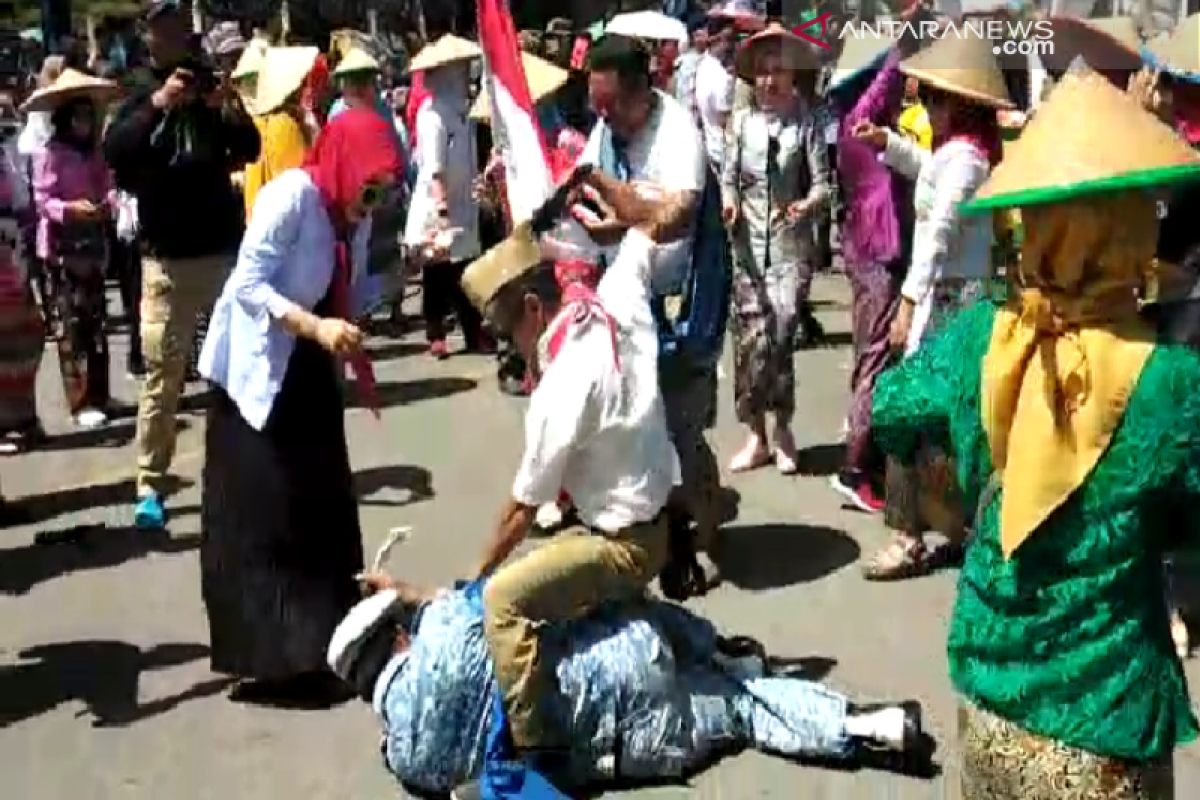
pixel 561 580
pixel 174 293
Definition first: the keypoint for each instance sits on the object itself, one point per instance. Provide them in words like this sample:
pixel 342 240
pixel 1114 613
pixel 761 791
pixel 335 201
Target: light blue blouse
pixel 286 258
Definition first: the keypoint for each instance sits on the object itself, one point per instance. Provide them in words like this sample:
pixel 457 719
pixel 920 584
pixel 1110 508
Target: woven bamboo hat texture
pixel 1178 51
pixel 282 74
pixel 1122 146
pixel 862 50
pixel 357 60
pixel 447 50
pixel 796 53
pixel 71 84
pixel 1107 44
pixel 500 266
pixel 251 60
pixel 961 62
pixel 544 79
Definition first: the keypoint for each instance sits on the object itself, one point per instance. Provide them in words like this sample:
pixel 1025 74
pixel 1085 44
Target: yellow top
pixel 1066 354
pixel 284 146
pixel 914 124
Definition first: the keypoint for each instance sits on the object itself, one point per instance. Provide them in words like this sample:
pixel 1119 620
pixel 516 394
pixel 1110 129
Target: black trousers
pixel 125 266
pixel 441 294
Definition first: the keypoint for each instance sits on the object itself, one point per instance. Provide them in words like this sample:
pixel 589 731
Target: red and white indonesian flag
pixel 518 138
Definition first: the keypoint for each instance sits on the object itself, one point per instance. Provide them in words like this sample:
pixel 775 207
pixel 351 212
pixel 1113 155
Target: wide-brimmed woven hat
pixel 500 266
pixel 282 74
pixel 71 84
pixel 1179 51
pixel 251 60
pixel 1107 44
pixel 863 49
pixel 357 60
pixel 544 79
pixel 447 50
pixel 962 63
pixel 1058 157
pixel 796 53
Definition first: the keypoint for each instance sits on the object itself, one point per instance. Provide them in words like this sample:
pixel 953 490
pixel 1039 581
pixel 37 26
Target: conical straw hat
pixel 357 60
pixel 251 60
pixel 961 62
pixel 1107 44
pixel 282 74
pixel 1179 51
pixel 544 79
pixel 1122 146
pixel 70 85
pixel 862 49
pixel 446 50
pixel 797 54
pixel 500 266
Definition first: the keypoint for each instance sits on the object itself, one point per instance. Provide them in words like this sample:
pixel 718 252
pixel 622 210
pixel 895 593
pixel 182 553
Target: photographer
pixel 173 145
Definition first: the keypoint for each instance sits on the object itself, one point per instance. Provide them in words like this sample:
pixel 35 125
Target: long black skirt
pixel 281 541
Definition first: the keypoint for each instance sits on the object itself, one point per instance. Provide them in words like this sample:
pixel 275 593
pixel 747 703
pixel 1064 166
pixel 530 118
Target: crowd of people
pixel 1020 265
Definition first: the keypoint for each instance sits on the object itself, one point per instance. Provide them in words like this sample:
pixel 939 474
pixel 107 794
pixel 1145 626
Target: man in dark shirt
pixel 173 145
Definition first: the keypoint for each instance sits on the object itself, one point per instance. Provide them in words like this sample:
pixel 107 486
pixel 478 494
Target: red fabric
pixel 417 95
pixel 580 304
pixel 356 147
pixel 579 52
pixel 1185 99
pixel 316 86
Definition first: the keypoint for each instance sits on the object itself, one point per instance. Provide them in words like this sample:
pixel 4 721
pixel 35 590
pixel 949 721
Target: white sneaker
pixel 91 418
pixel 549 516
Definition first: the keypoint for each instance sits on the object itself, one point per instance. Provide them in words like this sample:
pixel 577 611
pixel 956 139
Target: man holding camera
pixel 173 145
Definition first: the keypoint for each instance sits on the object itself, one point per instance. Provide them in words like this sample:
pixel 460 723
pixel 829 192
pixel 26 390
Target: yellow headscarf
pixel 1066 353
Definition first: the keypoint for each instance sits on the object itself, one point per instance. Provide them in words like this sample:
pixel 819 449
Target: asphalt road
pixel 105 690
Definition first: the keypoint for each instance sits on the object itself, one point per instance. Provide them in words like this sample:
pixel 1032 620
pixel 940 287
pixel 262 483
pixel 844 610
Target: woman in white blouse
pixel 280 534
pixel 443 202
pixel 951 262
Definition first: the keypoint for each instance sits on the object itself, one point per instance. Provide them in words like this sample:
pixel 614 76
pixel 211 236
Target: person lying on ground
pixel 648 691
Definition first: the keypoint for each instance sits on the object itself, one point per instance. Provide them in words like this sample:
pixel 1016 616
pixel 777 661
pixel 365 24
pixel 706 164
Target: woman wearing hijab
pixel 1076 437
pixel 281 541
pixel 951 262
pixel 75 200
pixel 282 129
pixel 775 178
pixel 443 202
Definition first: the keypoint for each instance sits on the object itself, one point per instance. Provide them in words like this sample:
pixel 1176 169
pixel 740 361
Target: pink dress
pixel 62 175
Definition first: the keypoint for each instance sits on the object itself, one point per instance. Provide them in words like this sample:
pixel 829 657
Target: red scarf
pixel 354 148
pixel 417 95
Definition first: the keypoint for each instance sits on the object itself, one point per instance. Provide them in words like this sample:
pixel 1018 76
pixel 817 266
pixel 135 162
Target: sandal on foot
pixel 898 561
pixel 1180 635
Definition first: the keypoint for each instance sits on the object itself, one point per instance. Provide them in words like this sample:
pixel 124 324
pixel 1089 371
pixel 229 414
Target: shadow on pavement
pixel 416 481
pixel 402 393
pixel 393 350
pixel 821 460
pixel 807 668
pixel 758 557
pixel 118 433
pixel 103 675
pixel 47 505
pixel 81 548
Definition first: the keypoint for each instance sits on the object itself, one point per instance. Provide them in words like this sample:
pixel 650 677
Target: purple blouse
pixel 873 194
pixel 61 175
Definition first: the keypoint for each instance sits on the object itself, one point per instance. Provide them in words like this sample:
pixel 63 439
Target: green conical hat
pixel 1057 158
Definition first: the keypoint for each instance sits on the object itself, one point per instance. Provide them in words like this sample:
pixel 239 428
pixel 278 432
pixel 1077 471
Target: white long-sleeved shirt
pixel 945 244
pixel 286 258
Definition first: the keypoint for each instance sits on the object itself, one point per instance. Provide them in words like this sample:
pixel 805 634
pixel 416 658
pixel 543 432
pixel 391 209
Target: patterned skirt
pixel 925 496
pixel 22 340
pixel 1000 761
